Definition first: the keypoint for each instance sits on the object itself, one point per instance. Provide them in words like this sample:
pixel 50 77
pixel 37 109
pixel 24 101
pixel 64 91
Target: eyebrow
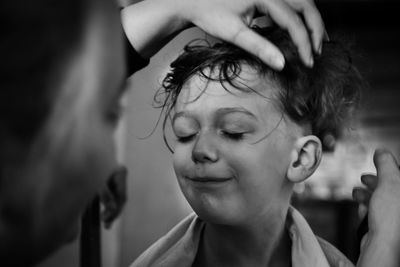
pixel 220 112
pixel 178 115
pixel 224 111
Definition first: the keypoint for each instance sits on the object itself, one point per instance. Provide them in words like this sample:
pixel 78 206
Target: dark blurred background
pixel 155 203
pixel 374 29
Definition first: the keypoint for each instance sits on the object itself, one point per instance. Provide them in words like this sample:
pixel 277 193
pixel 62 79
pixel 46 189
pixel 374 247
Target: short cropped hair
pixel 323 96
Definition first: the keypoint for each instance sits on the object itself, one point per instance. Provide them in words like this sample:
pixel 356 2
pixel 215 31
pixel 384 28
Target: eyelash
pixel 185 139
pixel 233 136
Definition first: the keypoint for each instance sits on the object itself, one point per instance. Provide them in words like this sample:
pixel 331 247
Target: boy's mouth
pixel 209 180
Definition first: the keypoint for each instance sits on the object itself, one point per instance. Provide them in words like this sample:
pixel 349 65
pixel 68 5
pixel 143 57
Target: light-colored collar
pixel 179 247
pixel 306 250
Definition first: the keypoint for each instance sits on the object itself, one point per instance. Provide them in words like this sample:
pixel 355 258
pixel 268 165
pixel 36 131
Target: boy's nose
pixel 204 149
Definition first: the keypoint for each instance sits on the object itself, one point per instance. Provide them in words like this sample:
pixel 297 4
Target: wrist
pixel 179 13
pixel 151 24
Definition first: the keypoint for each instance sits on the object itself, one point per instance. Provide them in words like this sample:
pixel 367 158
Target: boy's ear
pixel 305 158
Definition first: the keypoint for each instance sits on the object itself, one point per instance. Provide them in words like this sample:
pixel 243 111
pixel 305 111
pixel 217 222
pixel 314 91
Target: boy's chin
pixel 219 215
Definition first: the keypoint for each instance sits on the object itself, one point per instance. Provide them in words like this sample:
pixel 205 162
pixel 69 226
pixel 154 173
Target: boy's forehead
pixel 249 81
pixel 200 95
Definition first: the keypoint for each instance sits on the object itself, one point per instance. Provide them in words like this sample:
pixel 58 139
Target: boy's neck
pixel 262 243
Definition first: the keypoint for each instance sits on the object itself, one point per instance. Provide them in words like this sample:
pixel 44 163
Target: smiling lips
pixel 208 179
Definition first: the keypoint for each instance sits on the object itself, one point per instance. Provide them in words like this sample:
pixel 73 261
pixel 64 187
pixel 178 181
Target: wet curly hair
pixel 324 96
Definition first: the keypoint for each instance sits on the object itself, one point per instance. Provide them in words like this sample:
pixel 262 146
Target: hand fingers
pixel 250 41
pixel 313 21
pixel 370 180
pixel 386 166
pixel 362 196
pixel 287 18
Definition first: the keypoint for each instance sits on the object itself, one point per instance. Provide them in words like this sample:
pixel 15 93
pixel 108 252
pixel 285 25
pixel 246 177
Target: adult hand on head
pixel 381 245
pixel 113 196
pixel 150 24
pixel 230 19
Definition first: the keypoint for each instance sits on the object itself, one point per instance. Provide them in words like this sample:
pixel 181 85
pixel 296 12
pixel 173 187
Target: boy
pixel 63 71
pixel 245 134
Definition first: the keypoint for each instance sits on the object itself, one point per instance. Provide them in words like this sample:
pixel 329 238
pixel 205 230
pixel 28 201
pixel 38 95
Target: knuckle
pixel 237 34
pixel 297 21
pixel 297 29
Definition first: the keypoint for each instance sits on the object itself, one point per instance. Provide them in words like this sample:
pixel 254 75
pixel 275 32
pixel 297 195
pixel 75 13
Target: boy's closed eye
pixel 235 127
pixel 236 136
pixel 184 129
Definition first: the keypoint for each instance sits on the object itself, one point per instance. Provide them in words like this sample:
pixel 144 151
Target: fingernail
pixel 311 62
pixel 319 50
pixel 279 62
pixel 326 36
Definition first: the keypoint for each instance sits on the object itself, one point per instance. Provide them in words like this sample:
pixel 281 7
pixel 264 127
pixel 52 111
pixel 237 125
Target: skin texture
pixel 236 157
pixel 206 128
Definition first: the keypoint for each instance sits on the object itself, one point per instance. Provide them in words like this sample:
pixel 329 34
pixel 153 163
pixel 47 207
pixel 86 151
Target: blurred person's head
pixel 61 74
pixel 246 133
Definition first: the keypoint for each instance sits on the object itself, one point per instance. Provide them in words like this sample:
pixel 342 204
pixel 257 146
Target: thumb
pixel 386 166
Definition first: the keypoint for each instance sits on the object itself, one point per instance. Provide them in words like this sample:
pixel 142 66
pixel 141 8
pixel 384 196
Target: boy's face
pixel 232 150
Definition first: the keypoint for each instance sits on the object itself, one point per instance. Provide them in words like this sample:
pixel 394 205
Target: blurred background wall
pixel 155 203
